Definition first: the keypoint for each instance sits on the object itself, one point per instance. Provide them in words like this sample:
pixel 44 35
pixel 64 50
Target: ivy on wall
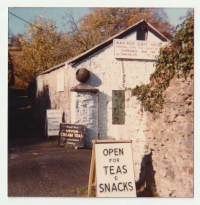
pixel 177 59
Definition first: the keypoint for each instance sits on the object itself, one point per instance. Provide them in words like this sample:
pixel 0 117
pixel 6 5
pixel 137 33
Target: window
pixel 118 107
pixel 60 81
pixel 142 33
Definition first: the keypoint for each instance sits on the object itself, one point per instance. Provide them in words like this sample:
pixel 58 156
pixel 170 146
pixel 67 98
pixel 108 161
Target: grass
pixel 83 191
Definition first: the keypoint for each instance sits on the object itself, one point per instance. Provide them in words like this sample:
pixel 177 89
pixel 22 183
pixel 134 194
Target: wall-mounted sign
pixel 114 170
pixel 137 49
pixel 54 118
pixel 72 134
pixel 60 81
pixel 118 107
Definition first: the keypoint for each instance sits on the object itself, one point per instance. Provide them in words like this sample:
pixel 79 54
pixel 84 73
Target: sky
pixel 29 13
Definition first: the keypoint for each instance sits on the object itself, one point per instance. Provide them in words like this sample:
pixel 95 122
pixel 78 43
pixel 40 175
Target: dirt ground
pixel 38 166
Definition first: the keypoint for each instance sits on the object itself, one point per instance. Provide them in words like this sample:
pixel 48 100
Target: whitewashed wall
pixel 107 75
pixel 58 100
pixel 84 111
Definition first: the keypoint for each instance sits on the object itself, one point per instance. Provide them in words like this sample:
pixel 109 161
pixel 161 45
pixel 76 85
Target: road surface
pixel 38 166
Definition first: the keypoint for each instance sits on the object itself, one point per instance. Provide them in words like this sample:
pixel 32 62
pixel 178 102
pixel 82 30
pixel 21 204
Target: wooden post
pixel 92 177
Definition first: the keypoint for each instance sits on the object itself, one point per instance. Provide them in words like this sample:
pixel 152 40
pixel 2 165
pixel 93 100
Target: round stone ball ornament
pixel 82 75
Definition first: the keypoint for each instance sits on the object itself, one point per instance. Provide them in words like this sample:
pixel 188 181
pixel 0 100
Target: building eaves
pixel 52 68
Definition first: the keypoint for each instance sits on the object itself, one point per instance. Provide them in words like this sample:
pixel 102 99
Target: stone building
pixel 108 112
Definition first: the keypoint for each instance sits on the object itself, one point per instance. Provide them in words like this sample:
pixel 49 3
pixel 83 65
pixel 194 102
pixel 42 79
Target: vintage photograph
pixel 100 102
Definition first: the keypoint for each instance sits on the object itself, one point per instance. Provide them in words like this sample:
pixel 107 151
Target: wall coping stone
pixel 83 87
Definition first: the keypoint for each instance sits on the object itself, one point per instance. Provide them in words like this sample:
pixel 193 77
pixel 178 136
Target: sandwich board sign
pixel 73 134
pixel 114 169
pixel 54 118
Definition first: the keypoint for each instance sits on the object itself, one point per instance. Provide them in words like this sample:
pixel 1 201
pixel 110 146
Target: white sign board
pixel 137 49
pixel 54 118
pixel 114 170
pixel 60 81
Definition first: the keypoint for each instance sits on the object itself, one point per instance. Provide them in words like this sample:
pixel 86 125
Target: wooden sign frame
pixel 92 176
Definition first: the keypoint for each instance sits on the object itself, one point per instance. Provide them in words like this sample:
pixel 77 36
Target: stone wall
pixel 169 141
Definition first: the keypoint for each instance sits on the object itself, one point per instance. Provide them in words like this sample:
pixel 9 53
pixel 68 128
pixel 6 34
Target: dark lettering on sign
pixel 125 170
pixel 118 170
pixel 105 169
pixel 130 43
pixel 119 42
pixel 120 183
pixel 115 151
pixel 114 187
pixel 107 187
pixel 125 186
pixel 101 187
pixel 121 186
pixel 114 170
pixel 129 184
pixel 111 170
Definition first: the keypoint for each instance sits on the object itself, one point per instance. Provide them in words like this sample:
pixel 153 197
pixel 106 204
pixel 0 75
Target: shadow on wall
pixel 146 186
pixel 40 103
pixel 94 80
pixel 88 142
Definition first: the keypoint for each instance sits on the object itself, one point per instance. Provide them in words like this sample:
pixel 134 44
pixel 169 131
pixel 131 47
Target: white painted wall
pixel 84 111
pixel 107 75
pixel 58 99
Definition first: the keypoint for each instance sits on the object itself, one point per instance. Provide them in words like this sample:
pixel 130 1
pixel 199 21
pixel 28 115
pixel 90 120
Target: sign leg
pixel 92 177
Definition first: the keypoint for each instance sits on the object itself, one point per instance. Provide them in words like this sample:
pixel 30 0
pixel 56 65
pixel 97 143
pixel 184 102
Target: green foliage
pixel 177 59
pixel 101 23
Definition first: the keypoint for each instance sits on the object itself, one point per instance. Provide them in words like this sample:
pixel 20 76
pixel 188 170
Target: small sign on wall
pixel 72 134
pixel 118 107
pixel 114 170
pixel 54 118
pixel 127 49
pixel 60 81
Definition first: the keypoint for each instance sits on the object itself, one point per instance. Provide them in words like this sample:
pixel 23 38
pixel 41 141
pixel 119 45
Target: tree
pixel 14 41
pixel 177 59
pixel 11 79
pixel 38 46
pixel 102 23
